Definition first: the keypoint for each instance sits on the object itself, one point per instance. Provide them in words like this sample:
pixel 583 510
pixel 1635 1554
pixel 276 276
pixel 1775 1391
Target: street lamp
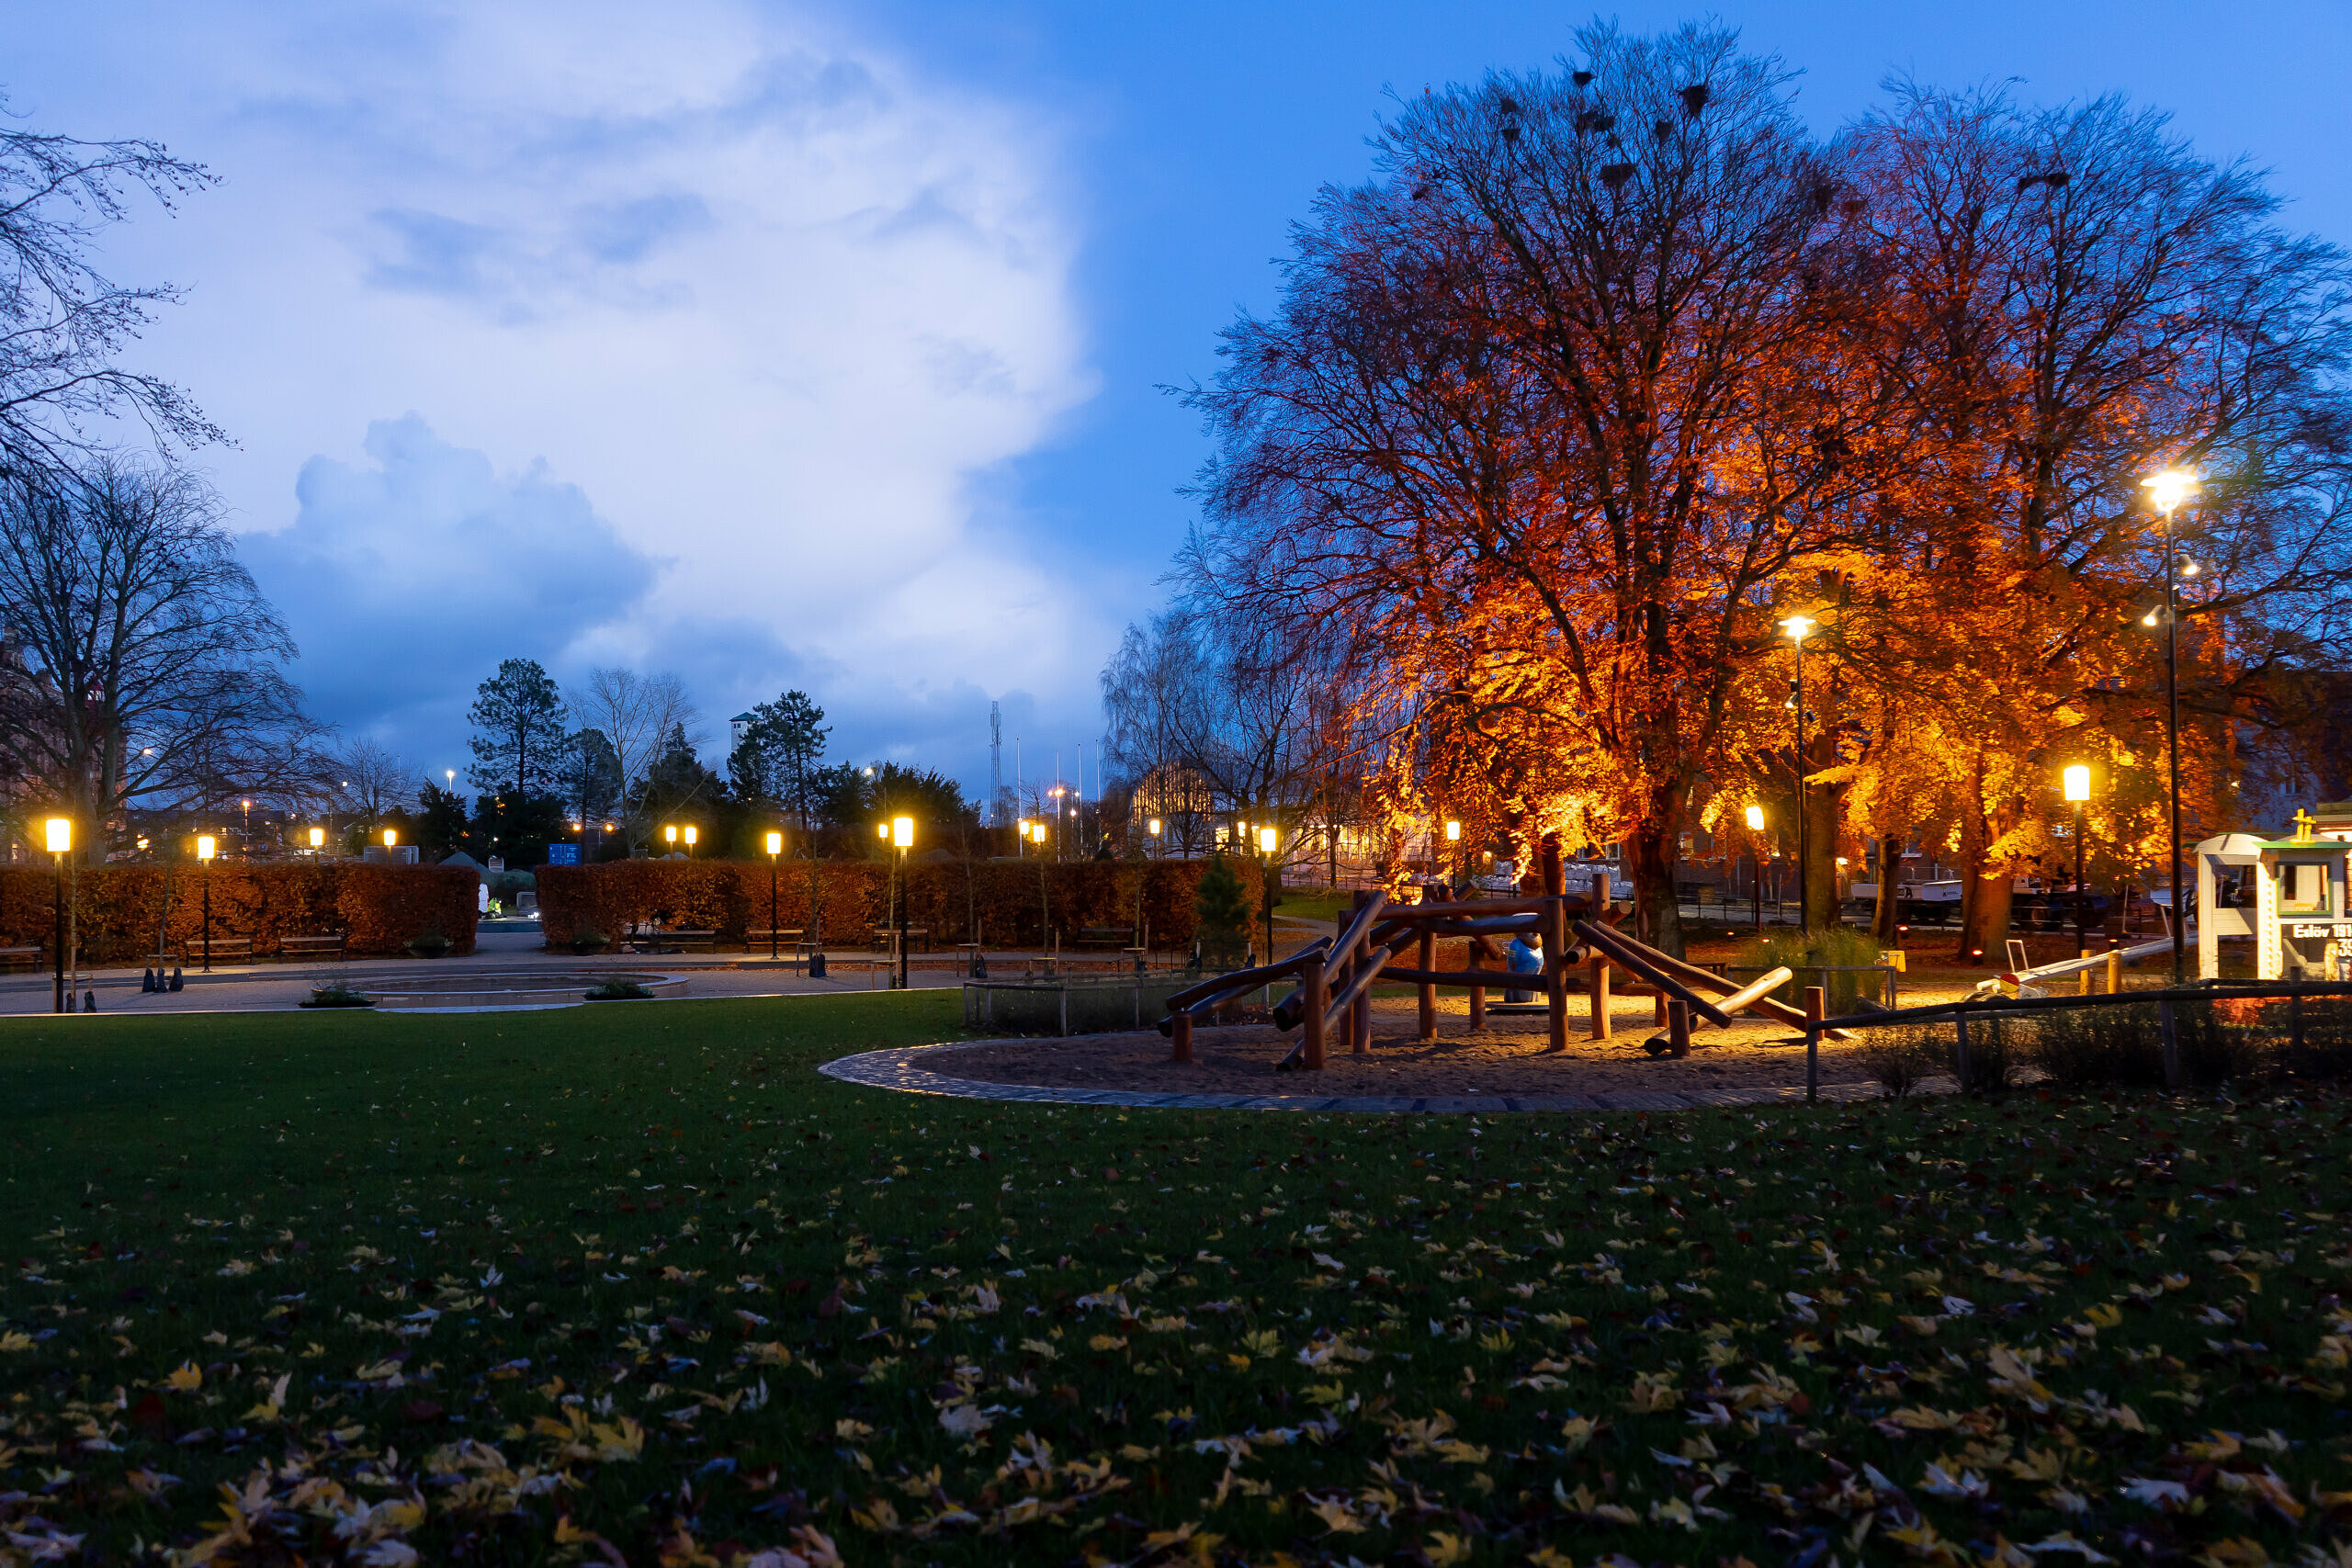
pixel 690 841
pixel 901 833
pixel 1154 834
pixel 206 847
pixel 1756 866
pixel 2167 490
pixel 670 837
pixel 1796 627
pixel 776 849
pixel 317 839
pixel 59 838
pixel 1268 842
pixel 2078 790
pixel 391 838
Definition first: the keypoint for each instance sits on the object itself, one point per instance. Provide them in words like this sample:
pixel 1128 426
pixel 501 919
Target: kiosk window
pixel 2302 889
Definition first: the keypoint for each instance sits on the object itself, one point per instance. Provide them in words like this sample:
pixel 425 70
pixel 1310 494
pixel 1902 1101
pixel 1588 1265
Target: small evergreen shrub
pixel 620 990
pixel 336 994
pixel 1223 910
pixel 429 943
pixel 588 939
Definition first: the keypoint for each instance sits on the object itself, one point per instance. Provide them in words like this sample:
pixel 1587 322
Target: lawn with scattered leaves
pixel 632 1283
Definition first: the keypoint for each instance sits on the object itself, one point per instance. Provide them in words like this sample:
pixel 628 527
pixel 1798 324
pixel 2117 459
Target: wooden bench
pixel 329 944
pixel 884 939
pixel 22 955
pixel 223 947
pixel 760 939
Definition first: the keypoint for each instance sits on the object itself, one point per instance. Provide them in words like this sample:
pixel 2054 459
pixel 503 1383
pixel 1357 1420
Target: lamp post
pixel 318 842
pixel 1268 842
pixel 207 846
pixel 59 838
pixel 2078 790
pixel 1453 840
pixel 902 835
pixel 670 837
pixel 1796 627
pixel 1155 845
pixel 2167 490
pixel 775 849
pixel 691 835
pixel 1756 864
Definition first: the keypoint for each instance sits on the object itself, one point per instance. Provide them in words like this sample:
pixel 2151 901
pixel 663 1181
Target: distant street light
pixel 2078 790
pixel 1269 842
pixel 690 841
pixel 2167 490
pixel 1796 627
pixel 902 835
pixel 317 839
pixel 391 838
pixel 206 847
pixel 1756 866
pixel 59 831
pixel 776 849
pixel 670 837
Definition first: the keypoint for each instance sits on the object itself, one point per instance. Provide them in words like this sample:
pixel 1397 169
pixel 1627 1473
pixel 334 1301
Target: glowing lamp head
pixel 391 837
pixel 691 834
pixel 670 834
pixel 1269 839
pixel 2149 619
pixel 1797 627
pixel 207 846
pixel 1155 827
pixel 882 831
pixel 775 843
pixel 1453 832
pixel 2078 783
pixel 58 834
pixel 903 833
pixel 2168 488
pixel 318 837
pixel 1756 818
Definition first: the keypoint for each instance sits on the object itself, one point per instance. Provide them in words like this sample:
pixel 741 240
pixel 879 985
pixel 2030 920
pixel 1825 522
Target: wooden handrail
pixel 1243 979
pixel 1708 981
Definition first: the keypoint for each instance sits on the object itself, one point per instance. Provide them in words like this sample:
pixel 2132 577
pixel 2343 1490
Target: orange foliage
pixel 117 908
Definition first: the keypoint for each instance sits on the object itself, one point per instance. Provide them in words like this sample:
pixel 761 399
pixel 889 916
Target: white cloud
pixel 773 302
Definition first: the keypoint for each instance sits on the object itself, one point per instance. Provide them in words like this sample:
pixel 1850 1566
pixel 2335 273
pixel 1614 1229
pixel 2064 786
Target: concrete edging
pixel 896 1070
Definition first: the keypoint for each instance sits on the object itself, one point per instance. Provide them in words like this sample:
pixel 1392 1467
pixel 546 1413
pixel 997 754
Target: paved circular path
pixel 904 1068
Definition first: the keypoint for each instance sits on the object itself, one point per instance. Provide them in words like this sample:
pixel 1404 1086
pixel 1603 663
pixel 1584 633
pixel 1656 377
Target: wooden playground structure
pixel 1331 978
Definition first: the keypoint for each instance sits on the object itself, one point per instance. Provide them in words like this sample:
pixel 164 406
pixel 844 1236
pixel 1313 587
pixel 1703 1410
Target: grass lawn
pixel 633 1284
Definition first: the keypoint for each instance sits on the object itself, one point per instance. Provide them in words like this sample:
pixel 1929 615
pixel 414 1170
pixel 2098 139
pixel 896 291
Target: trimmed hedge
pixel 731 897
pixel 379 909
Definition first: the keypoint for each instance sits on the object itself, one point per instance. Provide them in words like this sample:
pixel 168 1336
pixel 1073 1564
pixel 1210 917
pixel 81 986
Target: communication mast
pixel 996 766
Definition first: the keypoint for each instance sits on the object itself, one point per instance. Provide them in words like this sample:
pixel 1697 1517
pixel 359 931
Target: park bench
pixel 328 944
pixel 882 939
pixel 760 939
pixel 223 947
pixel 30 955
pixel 1104 936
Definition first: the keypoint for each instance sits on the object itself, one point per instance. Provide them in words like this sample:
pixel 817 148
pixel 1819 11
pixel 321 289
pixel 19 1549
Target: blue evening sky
pixel 823 344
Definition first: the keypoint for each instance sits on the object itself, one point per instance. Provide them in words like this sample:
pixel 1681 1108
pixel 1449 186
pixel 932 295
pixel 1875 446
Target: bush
pixel 338 995
pixel 588 939
pixel 619 990
pixel 379 909
pixel 1221 912
pixel 1838 946
pixel 429 943
pixel 1900 1059
pixel 2123 1048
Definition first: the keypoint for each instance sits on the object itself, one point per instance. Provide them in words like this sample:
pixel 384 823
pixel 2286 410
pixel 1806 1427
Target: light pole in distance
pixel 1796 627
pixel 2166 490
pixel 207 846
pixel 59 831
pixel 775 849
pixel 1453 843
pixel 902 837
pixel 2078 790
pixel 1756 864
pixel 318 843
pixel 1269 842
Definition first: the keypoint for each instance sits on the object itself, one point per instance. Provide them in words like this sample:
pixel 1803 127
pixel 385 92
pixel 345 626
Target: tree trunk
pixel 1656 919
pixel 1987 923
pixel 1823 808
pixel 1888 914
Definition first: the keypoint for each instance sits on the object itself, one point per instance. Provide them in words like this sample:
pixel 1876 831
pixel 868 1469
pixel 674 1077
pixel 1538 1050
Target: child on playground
pixel 1526 957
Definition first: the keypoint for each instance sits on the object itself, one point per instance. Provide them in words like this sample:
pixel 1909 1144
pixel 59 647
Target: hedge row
pixel 379 909
pixel 998 902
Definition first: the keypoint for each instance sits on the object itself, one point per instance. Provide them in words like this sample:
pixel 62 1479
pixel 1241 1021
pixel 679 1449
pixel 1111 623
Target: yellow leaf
pixel 14 1340
pixel 1444 1549
pixel 2105 1314
pixel 187 1380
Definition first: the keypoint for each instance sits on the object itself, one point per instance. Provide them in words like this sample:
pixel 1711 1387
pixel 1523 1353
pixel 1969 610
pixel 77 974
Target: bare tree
pixel 61 323
pixel 371 781
pixel 637 714
pixel 141 666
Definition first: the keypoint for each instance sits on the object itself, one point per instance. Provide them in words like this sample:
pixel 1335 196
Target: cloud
pixel 408 578
pixel 785 308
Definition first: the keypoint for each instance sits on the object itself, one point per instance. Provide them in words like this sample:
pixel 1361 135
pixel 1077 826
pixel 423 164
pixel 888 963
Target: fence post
pixel 1555 970
pixel 1816 1005
pixel 1429 992
pixel 1180 1032
pixel 1318 998
pixel 2114 971
pixel 1677 1022
pixel 1600 998
pixel 2172 1044
pixel 1657 1009
pixel 1959 1050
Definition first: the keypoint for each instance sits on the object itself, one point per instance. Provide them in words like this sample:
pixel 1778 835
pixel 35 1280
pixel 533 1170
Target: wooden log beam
pixel 1622 952
pixel 1778 1010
